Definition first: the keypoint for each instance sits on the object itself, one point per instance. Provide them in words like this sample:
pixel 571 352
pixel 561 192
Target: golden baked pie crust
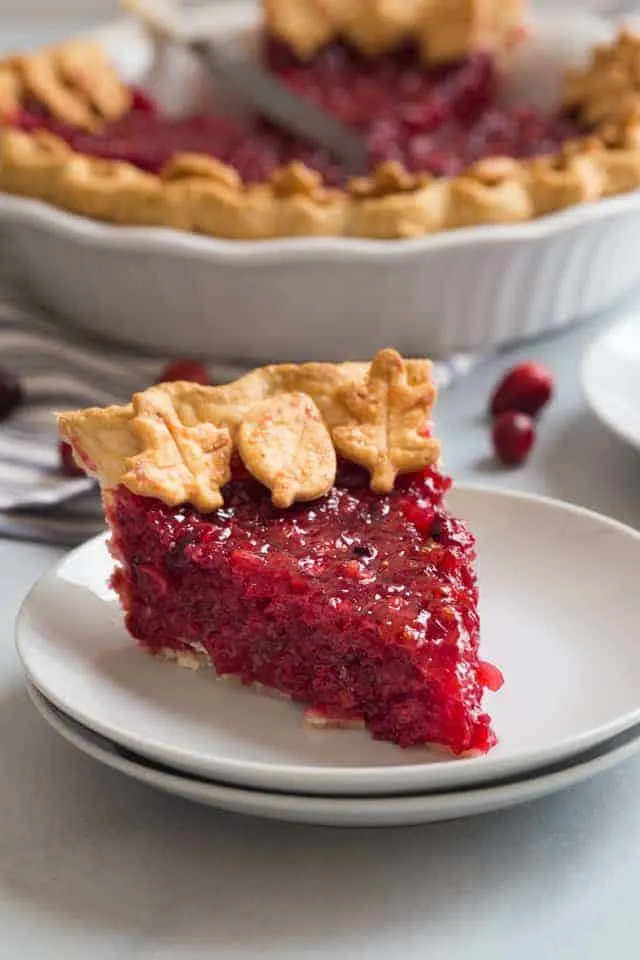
pixel 445 30
pixel 202 195
pixel 287 423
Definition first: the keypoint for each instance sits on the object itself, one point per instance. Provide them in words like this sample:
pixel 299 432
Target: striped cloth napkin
pixel 58 369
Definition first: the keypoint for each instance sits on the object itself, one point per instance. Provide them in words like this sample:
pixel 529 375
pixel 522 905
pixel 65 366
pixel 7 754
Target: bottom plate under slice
pixel 334 811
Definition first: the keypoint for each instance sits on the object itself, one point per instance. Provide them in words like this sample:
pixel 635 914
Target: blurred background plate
pixel 611 378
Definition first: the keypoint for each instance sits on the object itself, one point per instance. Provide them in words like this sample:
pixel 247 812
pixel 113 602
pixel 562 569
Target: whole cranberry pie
pixel 419 80
pixel 290 530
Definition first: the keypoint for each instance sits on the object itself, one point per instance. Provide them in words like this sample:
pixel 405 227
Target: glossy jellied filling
pixel 359 605
pixel 438 121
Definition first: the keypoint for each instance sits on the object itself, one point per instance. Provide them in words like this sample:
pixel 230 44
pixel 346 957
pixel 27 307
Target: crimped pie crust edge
pixel 199 194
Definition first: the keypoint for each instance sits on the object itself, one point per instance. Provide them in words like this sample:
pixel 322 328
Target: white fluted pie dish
pixel 466 289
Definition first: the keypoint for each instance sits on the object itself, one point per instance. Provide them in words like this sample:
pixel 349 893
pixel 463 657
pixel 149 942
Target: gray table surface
pixel 95 866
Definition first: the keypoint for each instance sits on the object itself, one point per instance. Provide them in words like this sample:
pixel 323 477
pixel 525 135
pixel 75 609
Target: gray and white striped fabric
pixel 58 369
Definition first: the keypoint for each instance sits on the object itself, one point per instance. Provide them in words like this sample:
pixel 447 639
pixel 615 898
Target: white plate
pixel 342 812
pixel 306 298
pixel 611 378
pixel 560 615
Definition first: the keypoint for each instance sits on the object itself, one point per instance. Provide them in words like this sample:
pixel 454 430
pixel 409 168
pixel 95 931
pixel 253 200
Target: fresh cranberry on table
pixel 526 388
pixel 513 436
pixel 10 393
pixel 68 465
pixel 186 369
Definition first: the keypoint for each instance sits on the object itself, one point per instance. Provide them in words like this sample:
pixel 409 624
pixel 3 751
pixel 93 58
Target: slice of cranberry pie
pixel 289 529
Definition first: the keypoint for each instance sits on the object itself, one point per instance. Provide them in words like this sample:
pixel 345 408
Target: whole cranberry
pixel 528 387
pixel 68 465
pixel 141 102
pixel 513 436
pixel 187 369
pixel 10 393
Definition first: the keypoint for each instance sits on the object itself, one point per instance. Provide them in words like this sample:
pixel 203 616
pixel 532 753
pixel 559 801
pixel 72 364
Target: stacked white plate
pixel 560 613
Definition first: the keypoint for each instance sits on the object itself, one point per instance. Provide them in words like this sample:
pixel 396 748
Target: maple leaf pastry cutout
pixel 386 419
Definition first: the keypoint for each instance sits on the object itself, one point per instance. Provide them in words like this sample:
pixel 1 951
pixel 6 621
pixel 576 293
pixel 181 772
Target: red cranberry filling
pixel 357 604
pixel 439 121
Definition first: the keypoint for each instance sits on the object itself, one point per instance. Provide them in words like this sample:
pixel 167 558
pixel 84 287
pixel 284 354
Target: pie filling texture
pixel 431 120
pixel 357 599
pixel 362 606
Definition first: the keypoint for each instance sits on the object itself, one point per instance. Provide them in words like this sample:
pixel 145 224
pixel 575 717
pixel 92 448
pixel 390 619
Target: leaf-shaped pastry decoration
pixel 384 421
pixel 177 463
pixel 174 441
pixel 101 439
pixel 284 443
pixel 83 66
